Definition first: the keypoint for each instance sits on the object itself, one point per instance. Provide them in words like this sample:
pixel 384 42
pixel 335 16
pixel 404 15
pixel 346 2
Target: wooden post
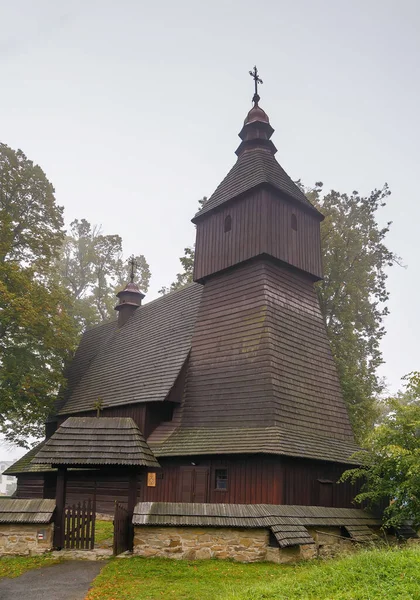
pixel 60 500
pixel 132 500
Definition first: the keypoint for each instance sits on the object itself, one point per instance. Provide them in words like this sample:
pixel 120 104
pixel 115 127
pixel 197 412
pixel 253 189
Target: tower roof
pixel 256 164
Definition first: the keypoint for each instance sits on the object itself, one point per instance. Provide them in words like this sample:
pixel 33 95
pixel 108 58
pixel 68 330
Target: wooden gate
pixel 79 526
pixel 123 530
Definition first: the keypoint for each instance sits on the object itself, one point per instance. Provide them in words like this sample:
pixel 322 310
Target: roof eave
pixel 264 184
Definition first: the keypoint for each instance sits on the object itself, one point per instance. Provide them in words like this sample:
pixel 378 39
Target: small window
pixel 272 540
pixel 228 223
pixel 221 479
pixel 294 222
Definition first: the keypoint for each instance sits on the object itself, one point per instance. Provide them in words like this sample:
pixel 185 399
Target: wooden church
pixel 225 391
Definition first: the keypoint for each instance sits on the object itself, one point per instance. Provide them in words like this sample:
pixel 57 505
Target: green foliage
pixel 368 575
pixel 187 263
pixel 92 269
pixel 37 335
pixel 353 294
pixel 390 466
pixel 186 276
pixel 14 566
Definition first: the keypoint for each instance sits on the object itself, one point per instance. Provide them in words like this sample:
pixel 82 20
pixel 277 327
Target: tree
pixel 390 466
pixel 36 332
pixel 186 275
pixel 187 263
pixel 352 296
pixel 91 267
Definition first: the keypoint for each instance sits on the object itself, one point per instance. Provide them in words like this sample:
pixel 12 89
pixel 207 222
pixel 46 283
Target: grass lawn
pixel 367 575
pixel 104 534
pixel 13 566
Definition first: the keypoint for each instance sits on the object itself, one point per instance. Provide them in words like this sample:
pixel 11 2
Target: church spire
pixel 257 130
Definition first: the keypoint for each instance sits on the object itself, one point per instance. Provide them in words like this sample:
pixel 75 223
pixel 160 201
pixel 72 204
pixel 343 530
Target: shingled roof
pixel 287 522
pixel 251 440
pixel 16 510
pixel 25 465
pixel 254 167
pixel 138 362
pixel 90 345
pixel 94 441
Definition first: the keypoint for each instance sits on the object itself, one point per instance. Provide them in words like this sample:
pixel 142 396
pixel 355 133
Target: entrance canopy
pixel 97 441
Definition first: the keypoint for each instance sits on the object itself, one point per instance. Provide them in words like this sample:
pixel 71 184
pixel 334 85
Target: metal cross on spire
pixel 133 264
pixel 257 80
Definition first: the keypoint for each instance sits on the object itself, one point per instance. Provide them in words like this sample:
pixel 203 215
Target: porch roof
pixel 96 441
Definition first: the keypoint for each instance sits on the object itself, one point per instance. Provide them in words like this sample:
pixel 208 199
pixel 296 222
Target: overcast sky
pixel 132 109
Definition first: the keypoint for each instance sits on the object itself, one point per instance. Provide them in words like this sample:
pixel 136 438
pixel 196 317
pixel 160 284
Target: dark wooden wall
pixel 253 480
pixel 261 356
pixel 147 416
pixel 30 485
pixel 106 486
pixel 261 223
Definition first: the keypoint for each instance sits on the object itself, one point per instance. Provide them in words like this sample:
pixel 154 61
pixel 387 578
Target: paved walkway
pixel 69 580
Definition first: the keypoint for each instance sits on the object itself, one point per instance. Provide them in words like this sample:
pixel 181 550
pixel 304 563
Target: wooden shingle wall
pixel 260 356
pixel 261 223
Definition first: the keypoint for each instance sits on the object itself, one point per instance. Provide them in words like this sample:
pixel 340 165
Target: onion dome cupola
pixel 130 297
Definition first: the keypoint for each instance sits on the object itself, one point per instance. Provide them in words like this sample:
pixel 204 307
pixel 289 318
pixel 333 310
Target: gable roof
pixel 138 362
pixel 254 167
pixel 96 441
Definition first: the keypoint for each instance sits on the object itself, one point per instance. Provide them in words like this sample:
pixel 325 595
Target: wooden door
pixel 194 484
pixel 201 478
pixel 325 493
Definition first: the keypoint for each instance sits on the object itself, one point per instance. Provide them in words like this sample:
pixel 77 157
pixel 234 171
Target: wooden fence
pixel 79 526
pixel 123 530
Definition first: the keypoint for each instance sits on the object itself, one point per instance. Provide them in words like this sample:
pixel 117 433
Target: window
pixel 294 222
pixel 228 223
pixel 221 479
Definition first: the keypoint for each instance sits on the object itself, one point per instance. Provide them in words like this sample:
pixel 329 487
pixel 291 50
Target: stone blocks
pixel 22 539
pixel 200 543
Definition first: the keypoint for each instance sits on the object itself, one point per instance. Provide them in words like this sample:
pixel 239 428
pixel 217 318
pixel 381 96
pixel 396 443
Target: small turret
pixel 129 298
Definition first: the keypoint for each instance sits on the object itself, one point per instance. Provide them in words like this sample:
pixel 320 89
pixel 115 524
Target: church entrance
pixel 194 483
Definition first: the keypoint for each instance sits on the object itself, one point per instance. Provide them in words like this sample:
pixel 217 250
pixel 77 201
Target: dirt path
pixel 69 580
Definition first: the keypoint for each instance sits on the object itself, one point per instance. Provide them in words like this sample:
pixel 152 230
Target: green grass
pixel 13 566
pixel 367 575
pixel 104 533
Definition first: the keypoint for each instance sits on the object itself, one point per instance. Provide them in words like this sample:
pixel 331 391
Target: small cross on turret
pixel 257 80
pixel 133 266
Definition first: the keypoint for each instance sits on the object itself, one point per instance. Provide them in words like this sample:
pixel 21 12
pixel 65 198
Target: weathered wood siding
pixel 251 480
pixel 30 486
pixel 261 223
pixel 261 357
pixel 106 486
pixel 147 416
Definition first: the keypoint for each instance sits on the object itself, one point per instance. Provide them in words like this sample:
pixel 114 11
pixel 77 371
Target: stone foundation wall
pixel 242 545
pixel 22 539
pixel 329 542
pixel 190 543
